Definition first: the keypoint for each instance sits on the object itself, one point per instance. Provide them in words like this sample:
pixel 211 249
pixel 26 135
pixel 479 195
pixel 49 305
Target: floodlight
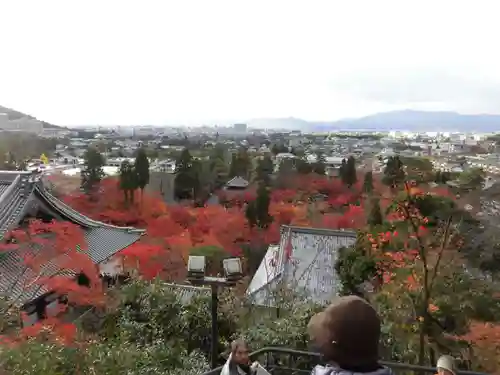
pixel 196 267
pixel 232 268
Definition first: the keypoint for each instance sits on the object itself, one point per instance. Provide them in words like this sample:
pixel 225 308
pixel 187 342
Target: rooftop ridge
pixel 75 215
pixel 8 192
pixel 319 231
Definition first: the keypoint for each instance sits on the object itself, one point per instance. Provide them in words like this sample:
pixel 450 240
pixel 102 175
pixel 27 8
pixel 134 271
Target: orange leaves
pixel 485 339
pixel 352 218
pixel 148 258
pixel 52 329
pixel 164 226
pixel 56 252
pixel 283 195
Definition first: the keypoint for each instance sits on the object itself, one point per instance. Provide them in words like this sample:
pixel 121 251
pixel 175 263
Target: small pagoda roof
pixel 237 182
pixel 20 192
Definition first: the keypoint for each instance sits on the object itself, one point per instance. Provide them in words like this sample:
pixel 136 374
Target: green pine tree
pixel 342 171
pixel 319 166
pixel 264 170
pixel 251 215
pixel 141 167
pixel 351 176
pixel 92 172
pixel 394 173
pixel 128 181
pixel 185 180
pixel 368 182
pixel 375 216
pixel 302 166
pixel 262 207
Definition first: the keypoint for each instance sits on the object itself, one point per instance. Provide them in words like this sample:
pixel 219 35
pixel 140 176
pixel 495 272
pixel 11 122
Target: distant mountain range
pixel 16 115
pixel 387 121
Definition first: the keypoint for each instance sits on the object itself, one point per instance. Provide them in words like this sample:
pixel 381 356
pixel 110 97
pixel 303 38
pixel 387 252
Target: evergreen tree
pixel 264 170
pixel 262 207
pixel 128 181
pixel 438 178
pixel 368 182
pixel 319 166
pixel 342 171
pixel 375 216
pixel 184 183
pixel 240 164
pixel 394 173
pixel 92 172
pixel 10 163
pixel 350 175
pixel 302 166
pixel 251 215
pixel 218 166
pixel 141 167
pixel 285 172
pixel 220 172
pixel 233 167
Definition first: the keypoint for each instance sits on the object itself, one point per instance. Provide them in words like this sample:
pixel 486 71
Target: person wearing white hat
pixel 446 365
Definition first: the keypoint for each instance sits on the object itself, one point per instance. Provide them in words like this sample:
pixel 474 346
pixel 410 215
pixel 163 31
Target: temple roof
pixel 22 191
pixel 304 261
pixel 237 182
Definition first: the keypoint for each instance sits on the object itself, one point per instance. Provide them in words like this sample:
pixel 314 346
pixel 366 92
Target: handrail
pixel 392 365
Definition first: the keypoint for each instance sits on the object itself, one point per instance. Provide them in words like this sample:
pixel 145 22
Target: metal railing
pixel 283 361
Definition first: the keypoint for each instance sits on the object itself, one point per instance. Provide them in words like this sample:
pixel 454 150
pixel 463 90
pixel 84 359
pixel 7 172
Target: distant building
pixel 240 128
pixel 4 120
pixel 24 124
pixel 237 183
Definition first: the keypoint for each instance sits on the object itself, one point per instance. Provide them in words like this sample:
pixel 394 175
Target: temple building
pixel 23 196
pixel 304 262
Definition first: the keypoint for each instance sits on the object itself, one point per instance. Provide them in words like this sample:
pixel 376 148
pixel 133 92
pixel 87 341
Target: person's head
pixel 446 365
pixel 239 352
pixel 347 333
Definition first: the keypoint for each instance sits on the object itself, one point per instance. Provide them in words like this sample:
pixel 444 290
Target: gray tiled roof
pixel 310 268
pixel 22 192
pixel 239 182
pixel 14 198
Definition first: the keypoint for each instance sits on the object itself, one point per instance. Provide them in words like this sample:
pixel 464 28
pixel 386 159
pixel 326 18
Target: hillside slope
pixel 15 115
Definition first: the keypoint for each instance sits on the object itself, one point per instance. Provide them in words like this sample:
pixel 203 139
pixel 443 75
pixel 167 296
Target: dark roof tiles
pixel 18 192
pixel 304 261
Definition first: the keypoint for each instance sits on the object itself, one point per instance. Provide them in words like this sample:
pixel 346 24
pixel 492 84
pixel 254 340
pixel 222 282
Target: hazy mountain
pixel 396 120
pixel 423 121
pixel 15 115
pixel 290 123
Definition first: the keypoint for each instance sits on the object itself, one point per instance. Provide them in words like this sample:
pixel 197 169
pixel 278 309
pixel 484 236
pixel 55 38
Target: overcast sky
pixel 185 61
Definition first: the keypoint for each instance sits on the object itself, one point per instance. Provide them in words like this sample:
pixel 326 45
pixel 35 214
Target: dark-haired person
pixel 347 335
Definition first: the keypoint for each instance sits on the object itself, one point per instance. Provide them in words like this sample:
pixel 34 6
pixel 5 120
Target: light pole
pixel 196 276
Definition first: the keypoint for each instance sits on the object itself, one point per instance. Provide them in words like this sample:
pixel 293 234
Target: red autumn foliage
pixel 149 259
pixel 485 339
pixel 50 328
pixel 55 252
pixel 176 229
